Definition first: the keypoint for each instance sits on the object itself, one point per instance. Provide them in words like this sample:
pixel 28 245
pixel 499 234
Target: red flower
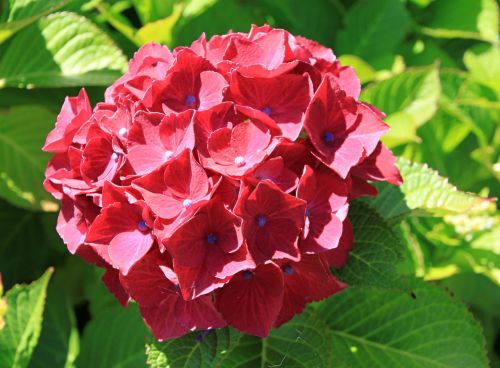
pixel 279 101
pixel 184 183
pixel 305 281
pixel 152 283
pixel 341 130
pixel 272 222
pixel 274 169
pixel 75 111
pixel 156 139
pixel 236 151
pixel 379 166
pixel 325 194
pixel 191 83
pixel 337 257
pixel 174 187
pixel 126 228
pixel 252 300
pixel 207 249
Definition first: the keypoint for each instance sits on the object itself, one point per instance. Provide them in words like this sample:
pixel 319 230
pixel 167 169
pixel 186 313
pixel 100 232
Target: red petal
pixel 306 281
pixel 251 301
pixel 126 248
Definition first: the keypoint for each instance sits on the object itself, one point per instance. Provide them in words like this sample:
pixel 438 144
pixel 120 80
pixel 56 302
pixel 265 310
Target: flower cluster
pixel 213 183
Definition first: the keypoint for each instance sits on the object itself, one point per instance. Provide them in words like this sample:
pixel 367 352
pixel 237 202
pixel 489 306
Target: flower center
pixel 114 156
pixel 211 238
pixel 239 161
pixel 328 137
pixel 261 220
pixel 308 212
pixel 288 270
pixel 266 110
pixel 186 203
pixel 122 132
pixel 168 155
pixel 141 225
pixel 190 100
pixel 247 275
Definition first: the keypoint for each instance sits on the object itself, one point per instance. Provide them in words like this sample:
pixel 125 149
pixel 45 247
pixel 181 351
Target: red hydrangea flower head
pixel 213 183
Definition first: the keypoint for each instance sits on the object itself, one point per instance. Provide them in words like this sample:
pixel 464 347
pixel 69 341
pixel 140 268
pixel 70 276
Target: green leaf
pixel 115 338
pixel 386 328
pixel 373 28
pixel 66 49
pixel 424 193
pixel 403 129
pixel 483 299
pixel 159 30
pixel 426 51
pixel 463 19
pixel 28 244
pixel 376 252
pixel 24 12
pixel 23 322
pixel 410 97
pixel 315 19
pixel 467 118
pixel 194 8
pixel 217 19
pixel 59 341
pixel 302 342
pixel 364 71
pixel 151 10
pixel 22 163
pixel 484 65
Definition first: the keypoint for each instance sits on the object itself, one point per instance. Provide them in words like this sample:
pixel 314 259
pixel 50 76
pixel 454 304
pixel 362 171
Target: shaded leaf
pixel 373 28
pixel 59 341
pixel 28 244
pixel 115 338
pixel 22 163
pixel 314 19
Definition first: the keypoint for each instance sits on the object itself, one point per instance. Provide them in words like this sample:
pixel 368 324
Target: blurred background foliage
pixel 433 66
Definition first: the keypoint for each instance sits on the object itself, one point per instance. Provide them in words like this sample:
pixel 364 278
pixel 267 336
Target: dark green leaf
pixel 22 163
pixel 28 244
pixel 59 341
pixel 115 338
pixel 376 251
pixel 302 343
pixel 314 19
pixel 422 327
pixel 373 28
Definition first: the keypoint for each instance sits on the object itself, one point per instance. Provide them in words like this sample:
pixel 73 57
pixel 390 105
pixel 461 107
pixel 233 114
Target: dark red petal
pixel 251 301
pixel 306 281
pixel 338 257
pixel 379 166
